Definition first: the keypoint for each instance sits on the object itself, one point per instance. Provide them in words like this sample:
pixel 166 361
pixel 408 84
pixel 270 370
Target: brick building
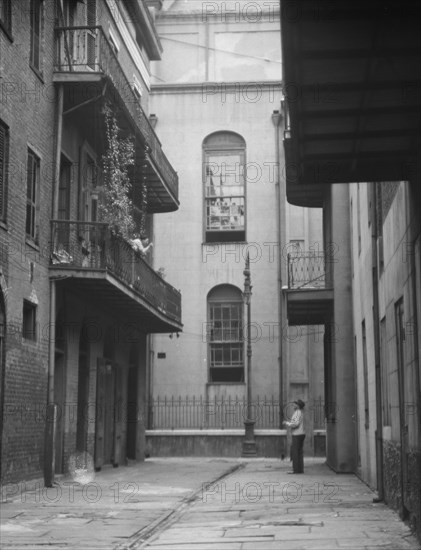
pixel 78 302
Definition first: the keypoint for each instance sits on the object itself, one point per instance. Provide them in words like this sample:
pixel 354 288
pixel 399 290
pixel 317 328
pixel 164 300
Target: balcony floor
pixel 105 291
pixel 309 306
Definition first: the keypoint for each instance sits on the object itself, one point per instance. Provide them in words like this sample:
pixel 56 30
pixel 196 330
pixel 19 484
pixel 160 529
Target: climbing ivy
pixel 116 207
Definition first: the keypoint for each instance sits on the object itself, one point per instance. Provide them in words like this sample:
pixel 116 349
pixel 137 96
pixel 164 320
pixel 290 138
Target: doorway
pixel 132 403
pixel 110 407
pixel 83 392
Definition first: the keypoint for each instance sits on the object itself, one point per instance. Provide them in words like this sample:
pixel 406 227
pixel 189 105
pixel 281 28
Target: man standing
pixel 298 435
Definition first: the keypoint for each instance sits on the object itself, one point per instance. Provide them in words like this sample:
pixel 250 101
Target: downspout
pixel 51 408
pixel 276 119
pixel 376 321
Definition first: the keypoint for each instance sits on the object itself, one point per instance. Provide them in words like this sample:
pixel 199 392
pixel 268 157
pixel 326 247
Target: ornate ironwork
pixel 306 270
pixel 92 246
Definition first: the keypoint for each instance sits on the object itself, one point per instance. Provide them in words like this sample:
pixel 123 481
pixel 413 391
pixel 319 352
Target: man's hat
pixel 300 403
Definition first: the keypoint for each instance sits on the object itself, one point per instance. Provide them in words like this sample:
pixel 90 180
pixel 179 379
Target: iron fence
pixel 199 413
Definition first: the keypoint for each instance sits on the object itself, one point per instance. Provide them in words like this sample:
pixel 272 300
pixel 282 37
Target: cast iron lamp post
pixel 249 443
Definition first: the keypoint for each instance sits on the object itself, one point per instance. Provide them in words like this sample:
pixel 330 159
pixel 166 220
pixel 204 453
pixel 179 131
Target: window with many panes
pixel 36 33
pixel 224 180
pixel 6 15
pixel 32 190
pixel 4 158
pixel 225 335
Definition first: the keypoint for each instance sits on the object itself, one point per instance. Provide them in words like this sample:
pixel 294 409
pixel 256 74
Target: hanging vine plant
pixel 116 207
pixel 143 196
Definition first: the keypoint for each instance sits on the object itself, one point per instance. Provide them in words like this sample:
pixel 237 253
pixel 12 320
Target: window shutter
pixel 3 156
pixel 29 175
pixel 91 13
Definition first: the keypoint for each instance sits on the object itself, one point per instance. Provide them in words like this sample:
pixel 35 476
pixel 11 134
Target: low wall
pixel 228 443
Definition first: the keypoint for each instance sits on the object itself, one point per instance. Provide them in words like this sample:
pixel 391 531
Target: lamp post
pixel 249 443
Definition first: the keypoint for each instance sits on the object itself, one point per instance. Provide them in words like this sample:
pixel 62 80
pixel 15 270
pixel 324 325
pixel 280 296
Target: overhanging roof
pixel 352 87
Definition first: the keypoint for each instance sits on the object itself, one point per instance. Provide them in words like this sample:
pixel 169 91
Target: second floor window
pixel 36 34
pixel 224 179
pixel 32 189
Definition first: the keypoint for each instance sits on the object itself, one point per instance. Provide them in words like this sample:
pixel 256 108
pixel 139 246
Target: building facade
pixel 386 274
pixel 217 92
pixel 78 302
pixel 352 144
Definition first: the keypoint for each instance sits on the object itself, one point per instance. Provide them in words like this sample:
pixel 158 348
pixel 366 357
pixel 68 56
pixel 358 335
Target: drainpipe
pixel 376 326
pixel 51 417
pixel 276 119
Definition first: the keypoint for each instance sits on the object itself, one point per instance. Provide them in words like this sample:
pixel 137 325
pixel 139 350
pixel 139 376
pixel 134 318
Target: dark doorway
pixel 132 403
pixel 109 407
pixel 83 392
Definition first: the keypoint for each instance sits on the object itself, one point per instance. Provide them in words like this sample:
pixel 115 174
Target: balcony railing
pixel 93 247
pixel 87 50
pixel 307 270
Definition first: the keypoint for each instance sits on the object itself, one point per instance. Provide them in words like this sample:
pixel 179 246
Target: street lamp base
pixel 249 443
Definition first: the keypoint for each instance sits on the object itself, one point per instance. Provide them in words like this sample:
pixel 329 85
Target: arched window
pixel 224 181
pixel 225 334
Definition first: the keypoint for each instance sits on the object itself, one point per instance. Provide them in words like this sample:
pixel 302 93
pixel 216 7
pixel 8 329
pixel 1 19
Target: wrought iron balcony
pixel 83 53
pixel 90 251
pixel 306 270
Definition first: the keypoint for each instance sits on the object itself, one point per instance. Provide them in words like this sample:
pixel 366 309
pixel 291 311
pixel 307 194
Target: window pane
pixel 5 13
pixel 31 190
pixel 4 146
pixel 225 214
pixel 35 33
pixel 224 187
pixel 29 321
pixel 29 176
pixel 224 175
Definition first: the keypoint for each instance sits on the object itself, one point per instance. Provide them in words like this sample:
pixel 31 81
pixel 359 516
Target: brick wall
pixel 27 108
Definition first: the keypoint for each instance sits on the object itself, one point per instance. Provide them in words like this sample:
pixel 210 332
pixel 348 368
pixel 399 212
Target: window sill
pixel 29 341
pixel 32 243
pixel 226 384
pixel 236 241
pixel 38 73
pixel 6 31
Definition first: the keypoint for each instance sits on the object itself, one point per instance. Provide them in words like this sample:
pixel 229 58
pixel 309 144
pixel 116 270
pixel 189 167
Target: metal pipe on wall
pixel 51 417
pixel 276 119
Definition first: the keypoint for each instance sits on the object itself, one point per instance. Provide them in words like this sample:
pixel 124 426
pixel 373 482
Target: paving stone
pixel 169 502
